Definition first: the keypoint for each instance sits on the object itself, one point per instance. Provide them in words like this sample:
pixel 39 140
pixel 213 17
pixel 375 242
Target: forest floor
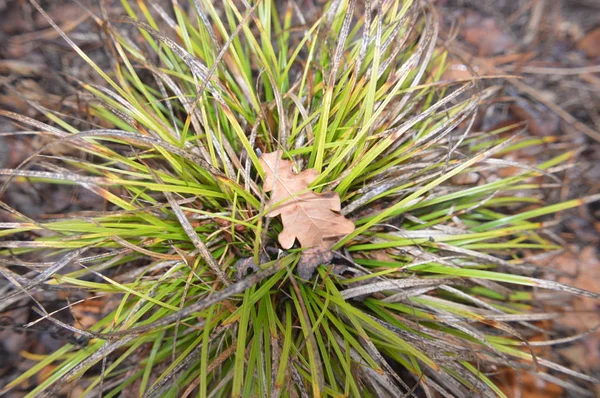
pixel 544 54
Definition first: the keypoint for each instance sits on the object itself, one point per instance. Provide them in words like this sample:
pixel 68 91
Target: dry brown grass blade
pixel 392 285
pixel 191 233
pixel 490 68
pixel 566 116
pixel 223 356
pixel 49 272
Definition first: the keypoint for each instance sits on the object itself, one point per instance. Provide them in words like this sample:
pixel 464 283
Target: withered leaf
pixel 243 265
pixel 311 259
pixel 307 216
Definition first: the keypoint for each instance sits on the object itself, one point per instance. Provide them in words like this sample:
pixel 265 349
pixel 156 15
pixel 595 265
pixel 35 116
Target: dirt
pixel 554 49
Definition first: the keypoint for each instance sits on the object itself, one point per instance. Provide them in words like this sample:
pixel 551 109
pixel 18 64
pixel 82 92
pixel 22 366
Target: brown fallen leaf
pixel 590 43
pixel 457 70
pixel 527 385
pixel 540 122
pixel 243 265
pixel 311 259
pixel 486 35
pixel 585 313
pixel 307 216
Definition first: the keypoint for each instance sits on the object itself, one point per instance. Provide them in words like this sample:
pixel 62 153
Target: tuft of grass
pixel 427 295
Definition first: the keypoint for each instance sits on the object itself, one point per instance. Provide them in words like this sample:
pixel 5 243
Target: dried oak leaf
pixel 307 216
pixel 311 259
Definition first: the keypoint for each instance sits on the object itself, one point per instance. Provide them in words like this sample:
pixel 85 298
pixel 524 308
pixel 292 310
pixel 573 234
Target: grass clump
pixel 426 295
